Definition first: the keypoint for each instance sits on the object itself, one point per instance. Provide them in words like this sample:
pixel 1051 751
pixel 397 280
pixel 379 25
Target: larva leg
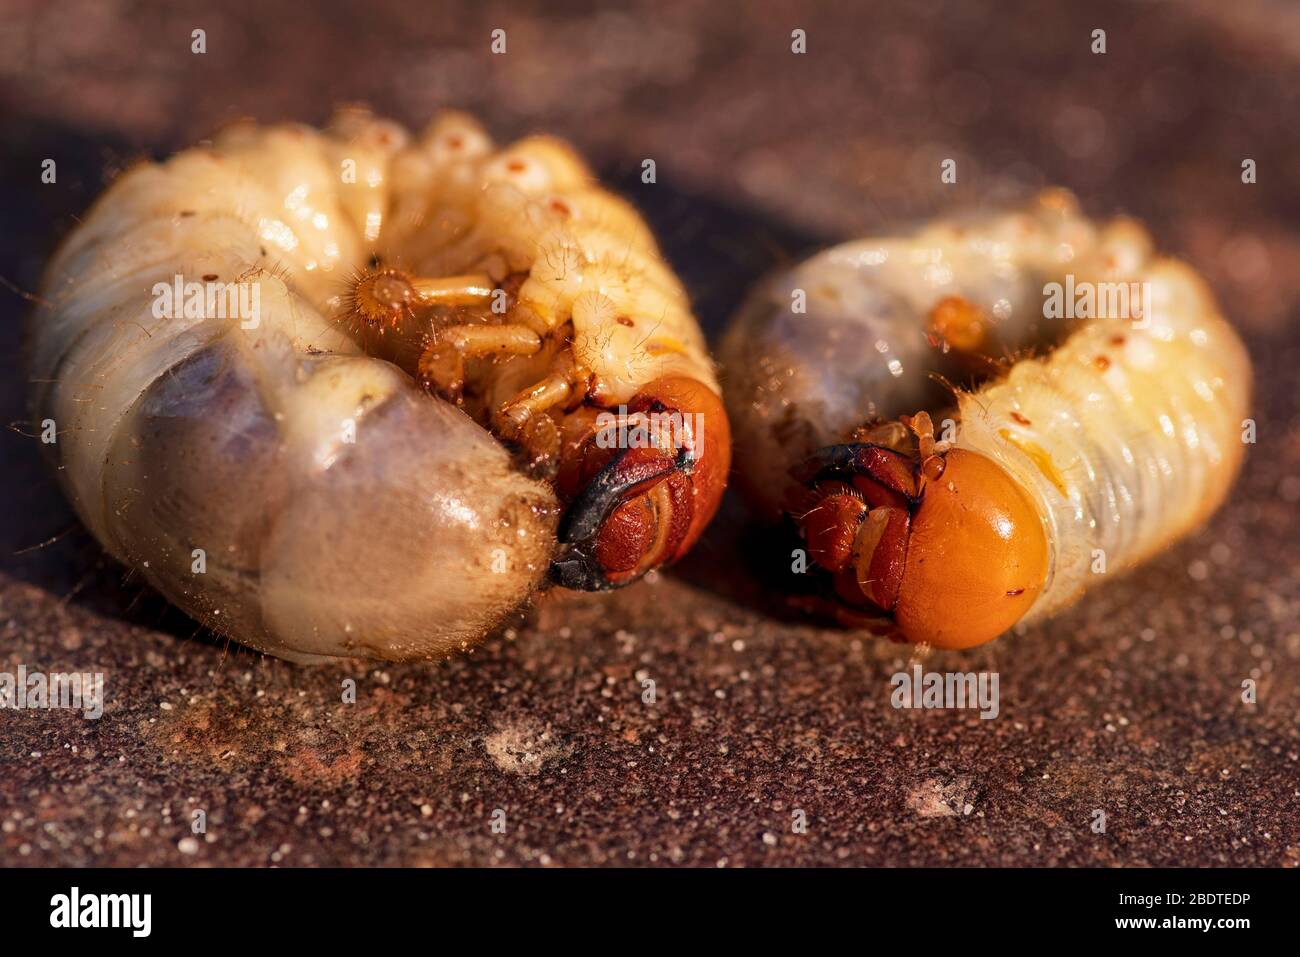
pixel 555 390
pixel 628 509
pixel 442 363
pixel 929 452
pixel 387 297
pixel 397 315
pixel 524 419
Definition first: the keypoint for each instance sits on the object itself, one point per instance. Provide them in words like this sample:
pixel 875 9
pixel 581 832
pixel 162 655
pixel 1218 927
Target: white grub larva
pixel 949 526
pixel 325 467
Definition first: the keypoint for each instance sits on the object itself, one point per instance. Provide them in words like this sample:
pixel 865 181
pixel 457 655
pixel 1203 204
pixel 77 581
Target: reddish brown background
pixel 1130 703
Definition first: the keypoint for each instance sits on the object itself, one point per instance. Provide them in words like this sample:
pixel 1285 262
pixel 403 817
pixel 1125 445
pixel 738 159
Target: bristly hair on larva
pixel 1080 440
pixel 379 296
pixel 383 440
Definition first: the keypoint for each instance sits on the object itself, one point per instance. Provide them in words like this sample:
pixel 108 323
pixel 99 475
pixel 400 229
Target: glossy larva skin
pixel 1124 437
pixel 1143 437
pixel 799 381
pixel 340 510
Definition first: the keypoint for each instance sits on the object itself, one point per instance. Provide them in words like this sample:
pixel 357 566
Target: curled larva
pixel 351 393
pixel 1103 420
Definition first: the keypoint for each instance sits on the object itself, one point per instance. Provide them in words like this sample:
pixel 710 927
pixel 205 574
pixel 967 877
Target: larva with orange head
pixel 1123 435
pixel 397 402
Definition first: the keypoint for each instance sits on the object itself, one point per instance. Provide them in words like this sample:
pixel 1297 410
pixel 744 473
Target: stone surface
pixel 1129 704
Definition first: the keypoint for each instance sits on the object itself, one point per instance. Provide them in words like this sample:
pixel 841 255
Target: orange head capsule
pixel 947 544
pixel 976 559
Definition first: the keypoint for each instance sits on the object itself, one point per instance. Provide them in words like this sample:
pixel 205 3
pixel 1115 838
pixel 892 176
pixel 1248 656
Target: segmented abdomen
pixel 1130 433
pixel 1127 433
pixel 341 509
